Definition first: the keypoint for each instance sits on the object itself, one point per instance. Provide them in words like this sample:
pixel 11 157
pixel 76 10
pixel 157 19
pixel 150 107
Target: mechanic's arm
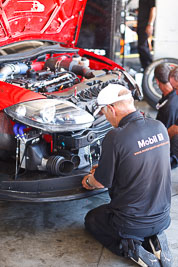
pixel 89 182
pixel 104 173
pixel 173 130
pixel 151 20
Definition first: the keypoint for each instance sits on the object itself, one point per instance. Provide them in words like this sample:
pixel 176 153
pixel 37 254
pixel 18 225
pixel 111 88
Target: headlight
pixel 51 115
pixel 48 114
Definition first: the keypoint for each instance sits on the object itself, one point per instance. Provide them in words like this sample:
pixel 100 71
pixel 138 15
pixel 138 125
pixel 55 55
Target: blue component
pixel 15 129
pixel 23 68
pixel 21 132
pixel 18 130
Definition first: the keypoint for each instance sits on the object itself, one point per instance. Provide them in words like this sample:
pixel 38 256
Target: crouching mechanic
pixel 173 130
pixel 168 108
pixel 135 167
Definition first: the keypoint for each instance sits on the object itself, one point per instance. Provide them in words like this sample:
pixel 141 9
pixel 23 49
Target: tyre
pixel 151 90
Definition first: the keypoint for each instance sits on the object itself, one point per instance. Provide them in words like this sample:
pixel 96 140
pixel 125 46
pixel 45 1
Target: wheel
pixel 151 90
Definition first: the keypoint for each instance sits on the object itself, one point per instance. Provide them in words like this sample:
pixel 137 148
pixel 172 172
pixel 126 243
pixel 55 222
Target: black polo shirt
pixel 135 166
pixel 144 12
pixel 168 111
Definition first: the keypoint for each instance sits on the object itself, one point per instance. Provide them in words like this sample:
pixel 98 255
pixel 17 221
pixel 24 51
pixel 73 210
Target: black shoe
pixel 144 258
pixel 161 250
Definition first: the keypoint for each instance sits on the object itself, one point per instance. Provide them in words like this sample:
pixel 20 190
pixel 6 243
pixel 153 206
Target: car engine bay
pixel 69 83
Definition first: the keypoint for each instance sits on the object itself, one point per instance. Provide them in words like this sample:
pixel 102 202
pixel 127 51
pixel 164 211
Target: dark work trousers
pixel 143 48
pixel 100 224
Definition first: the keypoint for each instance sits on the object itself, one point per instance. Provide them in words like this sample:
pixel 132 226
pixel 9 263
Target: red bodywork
pixel 55 20
pixel 11 94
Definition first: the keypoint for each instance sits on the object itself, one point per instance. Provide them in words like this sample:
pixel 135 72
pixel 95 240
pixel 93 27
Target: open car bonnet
pixel 54 20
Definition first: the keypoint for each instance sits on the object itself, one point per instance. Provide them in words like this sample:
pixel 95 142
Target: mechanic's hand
pixel 92 171
pixel 85 185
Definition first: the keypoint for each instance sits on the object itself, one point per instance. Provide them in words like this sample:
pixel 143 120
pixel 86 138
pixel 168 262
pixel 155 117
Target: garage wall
pixel 166 29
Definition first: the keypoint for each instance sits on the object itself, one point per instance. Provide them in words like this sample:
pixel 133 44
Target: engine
pixel 64 77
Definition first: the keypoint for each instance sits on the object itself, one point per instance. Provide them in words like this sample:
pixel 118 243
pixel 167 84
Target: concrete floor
pixel 52 234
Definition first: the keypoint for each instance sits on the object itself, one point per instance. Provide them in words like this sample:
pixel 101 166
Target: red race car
pixel 49 138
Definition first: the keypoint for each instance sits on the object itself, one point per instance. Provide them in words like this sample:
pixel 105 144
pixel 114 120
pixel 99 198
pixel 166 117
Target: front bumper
pixel 40 187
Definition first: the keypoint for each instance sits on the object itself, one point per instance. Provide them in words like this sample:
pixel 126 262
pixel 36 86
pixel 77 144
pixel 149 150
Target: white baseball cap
pixel 110 95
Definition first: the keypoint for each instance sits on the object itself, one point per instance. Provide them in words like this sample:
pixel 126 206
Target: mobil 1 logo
pixel 150 140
